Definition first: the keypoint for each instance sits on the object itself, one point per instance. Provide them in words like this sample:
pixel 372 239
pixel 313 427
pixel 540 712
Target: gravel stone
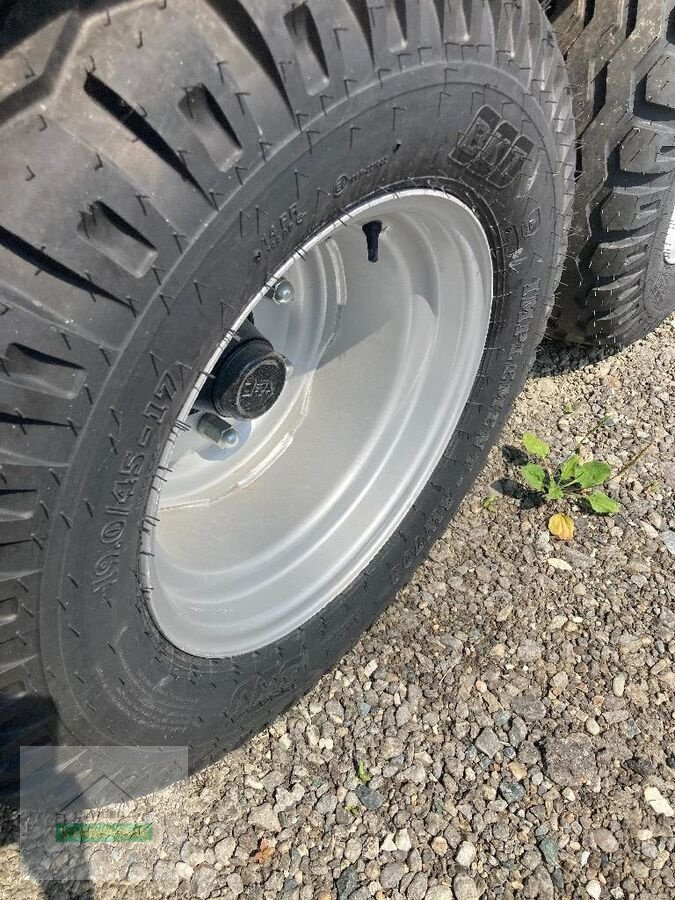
pixel 184 871
pixel 403 841
pixel 440 892
pixel 466 854
pixel 528 707
pixel 346 883
pixel 264 817
pixel 488 742
pixel 370 798
pixel 391 875
pixel 465 888
pixel 137 872
pixel 658 802
pixel 203 882
pixel 353 850
pixel 549 850
pixel 619 684
pixel 236 884
pixel 518 770
pixel 570 761
pixel 362 893
pixel 326 804
pixel 668 538
pixel 191 854
pixel 530 651
pixel 540 884
pixel 511 791
pixel 605 840
pixel 391 747
pixel 640 766
pixel 224 850
pixel 417 889
pixel 388 844
pixel 164 872
pixel 517 732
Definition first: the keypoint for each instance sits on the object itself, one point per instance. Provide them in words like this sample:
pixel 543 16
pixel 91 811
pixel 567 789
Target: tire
pixel 131 241
pixel 618 283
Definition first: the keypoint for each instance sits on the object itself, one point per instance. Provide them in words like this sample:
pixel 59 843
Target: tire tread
pixel 618 59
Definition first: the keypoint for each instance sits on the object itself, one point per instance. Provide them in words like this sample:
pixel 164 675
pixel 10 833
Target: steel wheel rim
pixel 669 246
pixel 250 544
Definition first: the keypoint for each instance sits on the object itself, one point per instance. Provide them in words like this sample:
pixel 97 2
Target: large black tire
pixel 125 224
pixel 617 284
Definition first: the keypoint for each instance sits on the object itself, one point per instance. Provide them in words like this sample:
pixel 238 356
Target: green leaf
pixel 535 446
pixel 362 772
pixel 569 468
pixel 592 473
pixel 602 504
pixel 534 475
pixel 489 502
pixel 554 492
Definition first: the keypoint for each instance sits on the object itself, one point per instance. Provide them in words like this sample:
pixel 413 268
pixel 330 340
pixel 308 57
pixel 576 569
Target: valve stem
pixel 372 232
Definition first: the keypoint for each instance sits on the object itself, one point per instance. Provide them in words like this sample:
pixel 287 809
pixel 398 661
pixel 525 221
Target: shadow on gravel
pixel 41 713
pixel 510 488
pixel 513 457
pixel 556 359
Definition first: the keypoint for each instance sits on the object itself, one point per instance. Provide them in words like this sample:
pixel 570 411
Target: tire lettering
pixel 492 149
pixel 287 221
pixel 111 535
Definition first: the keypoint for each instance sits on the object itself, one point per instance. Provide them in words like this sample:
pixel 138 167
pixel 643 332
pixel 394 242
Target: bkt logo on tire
pixel 492 149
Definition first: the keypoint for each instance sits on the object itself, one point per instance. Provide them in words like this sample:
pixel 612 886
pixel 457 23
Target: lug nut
pixel 218 431
pixel 283 292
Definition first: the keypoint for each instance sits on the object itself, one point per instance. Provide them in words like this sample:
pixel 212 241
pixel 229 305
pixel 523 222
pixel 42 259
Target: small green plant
pixel 362 772
pixel 572 480
pixel 489 503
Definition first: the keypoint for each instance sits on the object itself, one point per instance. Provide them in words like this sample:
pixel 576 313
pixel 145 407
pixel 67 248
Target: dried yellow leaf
pixel 264 853
pixel 561 526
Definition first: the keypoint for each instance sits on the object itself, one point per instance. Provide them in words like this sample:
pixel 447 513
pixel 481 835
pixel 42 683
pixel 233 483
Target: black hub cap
pixel 248 379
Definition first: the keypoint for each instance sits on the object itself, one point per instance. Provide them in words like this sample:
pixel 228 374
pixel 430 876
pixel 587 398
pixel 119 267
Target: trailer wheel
pixel 271 275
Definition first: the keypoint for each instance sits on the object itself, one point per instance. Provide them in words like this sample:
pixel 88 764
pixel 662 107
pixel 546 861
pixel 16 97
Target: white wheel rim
pixel 250 543
pixel 669 247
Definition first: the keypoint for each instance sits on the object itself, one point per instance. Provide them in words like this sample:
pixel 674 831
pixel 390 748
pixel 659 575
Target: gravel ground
pixel 513 709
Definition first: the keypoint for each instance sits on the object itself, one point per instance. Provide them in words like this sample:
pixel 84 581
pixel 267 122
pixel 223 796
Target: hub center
pixel 248 379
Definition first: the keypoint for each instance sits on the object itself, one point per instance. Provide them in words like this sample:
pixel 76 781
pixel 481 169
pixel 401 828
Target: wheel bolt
pixel 218 431
pixel 283 292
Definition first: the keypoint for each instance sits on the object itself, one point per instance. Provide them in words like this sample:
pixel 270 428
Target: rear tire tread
pixel 625 140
